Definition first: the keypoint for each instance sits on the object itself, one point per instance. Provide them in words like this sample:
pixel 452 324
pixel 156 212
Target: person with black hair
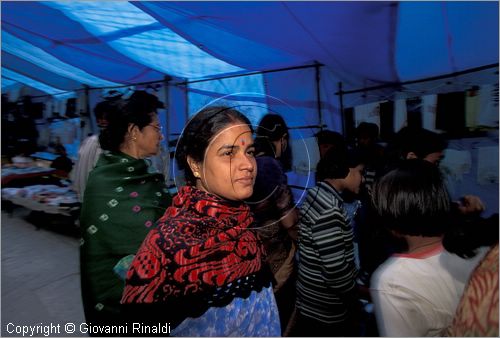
pixel 416 292
pixel 273 129
pixel 367 136
pixel 274 209
pixel 62 162
pixel 327 300
pixel 328 139
pixel 202 269
pixel 414 142
pixel 90 150
pixel 123 199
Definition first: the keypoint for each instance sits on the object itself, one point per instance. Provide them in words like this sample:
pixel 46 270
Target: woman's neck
pixel 337 184
pixel 418 244
pixel 130 151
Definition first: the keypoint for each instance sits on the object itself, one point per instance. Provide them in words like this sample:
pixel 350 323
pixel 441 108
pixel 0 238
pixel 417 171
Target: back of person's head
pixel 200 131
pixel 272 126
pixel 367 133
pixel 139 110
pixel 264 147
pixel 326 136
pixel 412 199
pixel 328 139
pixel 105 108
pixel 420 141
pixel 337 162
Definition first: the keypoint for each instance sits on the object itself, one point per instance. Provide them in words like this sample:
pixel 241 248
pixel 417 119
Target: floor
pixel 40 279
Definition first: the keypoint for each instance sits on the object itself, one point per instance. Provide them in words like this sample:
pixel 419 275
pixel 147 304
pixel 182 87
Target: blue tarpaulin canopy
pixel 61 47
pixel 304 60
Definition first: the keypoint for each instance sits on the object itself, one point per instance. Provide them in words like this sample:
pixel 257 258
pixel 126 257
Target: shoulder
pixel 323 197
pixel 91 141
pixel 391 273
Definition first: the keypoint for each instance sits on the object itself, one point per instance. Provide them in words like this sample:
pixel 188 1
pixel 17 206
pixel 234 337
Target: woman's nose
pixel 247 162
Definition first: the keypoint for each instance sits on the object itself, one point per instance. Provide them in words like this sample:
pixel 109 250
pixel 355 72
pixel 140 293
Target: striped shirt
pixel 327 268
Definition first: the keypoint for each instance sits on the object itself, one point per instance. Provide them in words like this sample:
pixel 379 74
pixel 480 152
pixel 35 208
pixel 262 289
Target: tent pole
pixel 433 78
pixel 166 94
pixel 341 100
pixel 186 112
pixel 87 106
pixel 318 93
pixel 251 73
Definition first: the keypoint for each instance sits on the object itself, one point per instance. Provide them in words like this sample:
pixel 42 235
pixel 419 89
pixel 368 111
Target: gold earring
pixel 196 174
pixel 134 138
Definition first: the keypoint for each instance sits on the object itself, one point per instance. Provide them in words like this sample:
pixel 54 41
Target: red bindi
pixel 242 142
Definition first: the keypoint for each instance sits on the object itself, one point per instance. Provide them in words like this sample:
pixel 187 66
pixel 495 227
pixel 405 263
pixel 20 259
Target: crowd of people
pixel 232 253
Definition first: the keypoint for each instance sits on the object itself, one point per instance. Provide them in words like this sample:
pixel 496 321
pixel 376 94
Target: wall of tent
pixel 309 101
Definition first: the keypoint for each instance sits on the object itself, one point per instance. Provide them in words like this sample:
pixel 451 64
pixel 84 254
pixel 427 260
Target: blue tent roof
pixel 100 43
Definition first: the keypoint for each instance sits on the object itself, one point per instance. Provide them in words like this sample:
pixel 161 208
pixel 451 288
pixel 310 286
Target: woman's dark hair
pixel 413 200
pixel 336 163
pixel 264 147
pixel 138 110
pixel 272 127
pixel 200 131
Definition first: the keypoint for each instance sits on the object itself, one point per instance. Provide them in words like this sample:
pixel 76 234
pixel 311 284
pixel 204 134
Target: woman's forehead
pixel 233 132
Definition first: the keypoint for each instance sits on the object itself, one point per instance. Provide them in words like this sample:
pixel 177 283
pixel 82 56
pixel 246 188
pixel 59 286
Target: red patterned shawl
pixel 203 253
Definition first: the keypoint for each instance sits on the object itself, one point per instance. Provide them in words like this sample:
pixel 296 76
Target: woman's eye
pixel 251 152
pixel 228 153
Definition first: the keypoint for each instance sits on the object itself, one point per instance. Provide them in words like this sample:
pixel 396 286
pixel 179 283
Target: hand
pixel 470 204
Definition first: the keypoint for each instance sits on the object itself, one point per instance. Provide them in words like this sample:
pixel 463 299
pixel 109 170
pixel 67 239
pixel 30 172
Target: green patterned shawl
pixel 123 199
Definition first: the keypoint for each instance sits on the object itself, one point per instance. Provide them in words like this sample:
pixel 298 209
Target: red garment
pixel 477 312
pixel 202 253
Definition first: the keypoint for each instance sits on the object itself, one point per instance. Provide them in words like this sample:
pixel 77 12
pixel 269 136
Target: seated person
pixel 62 162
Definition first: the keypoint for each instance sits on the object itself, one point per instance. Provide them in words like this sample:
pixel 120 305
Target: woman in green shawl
pixel 123 199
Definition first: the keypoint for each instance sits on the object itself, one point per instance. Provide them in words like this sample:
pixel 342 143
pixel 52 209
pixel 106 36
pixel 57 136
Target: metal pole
pixel 341 100
pixel 318 94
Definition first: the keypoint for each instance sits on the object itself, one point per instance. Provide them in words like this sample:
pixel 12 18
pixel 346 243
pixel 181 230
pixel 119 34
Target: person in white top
pixel 90 150
pixel 416 293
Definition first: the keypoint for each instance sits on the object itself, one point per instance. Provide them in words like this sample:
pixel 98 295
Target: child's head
pixel 342 164
pixel 420 143
pixel 412 199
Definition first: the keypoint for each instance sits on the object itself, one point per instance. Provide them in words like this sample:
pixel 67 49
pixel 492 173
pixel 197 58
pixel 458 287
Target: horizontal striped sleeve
pixel 326 256
pixel 336 258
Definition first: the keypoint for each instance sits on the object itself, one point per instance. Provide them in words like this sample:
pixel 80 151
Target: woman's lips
pixel 245 180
